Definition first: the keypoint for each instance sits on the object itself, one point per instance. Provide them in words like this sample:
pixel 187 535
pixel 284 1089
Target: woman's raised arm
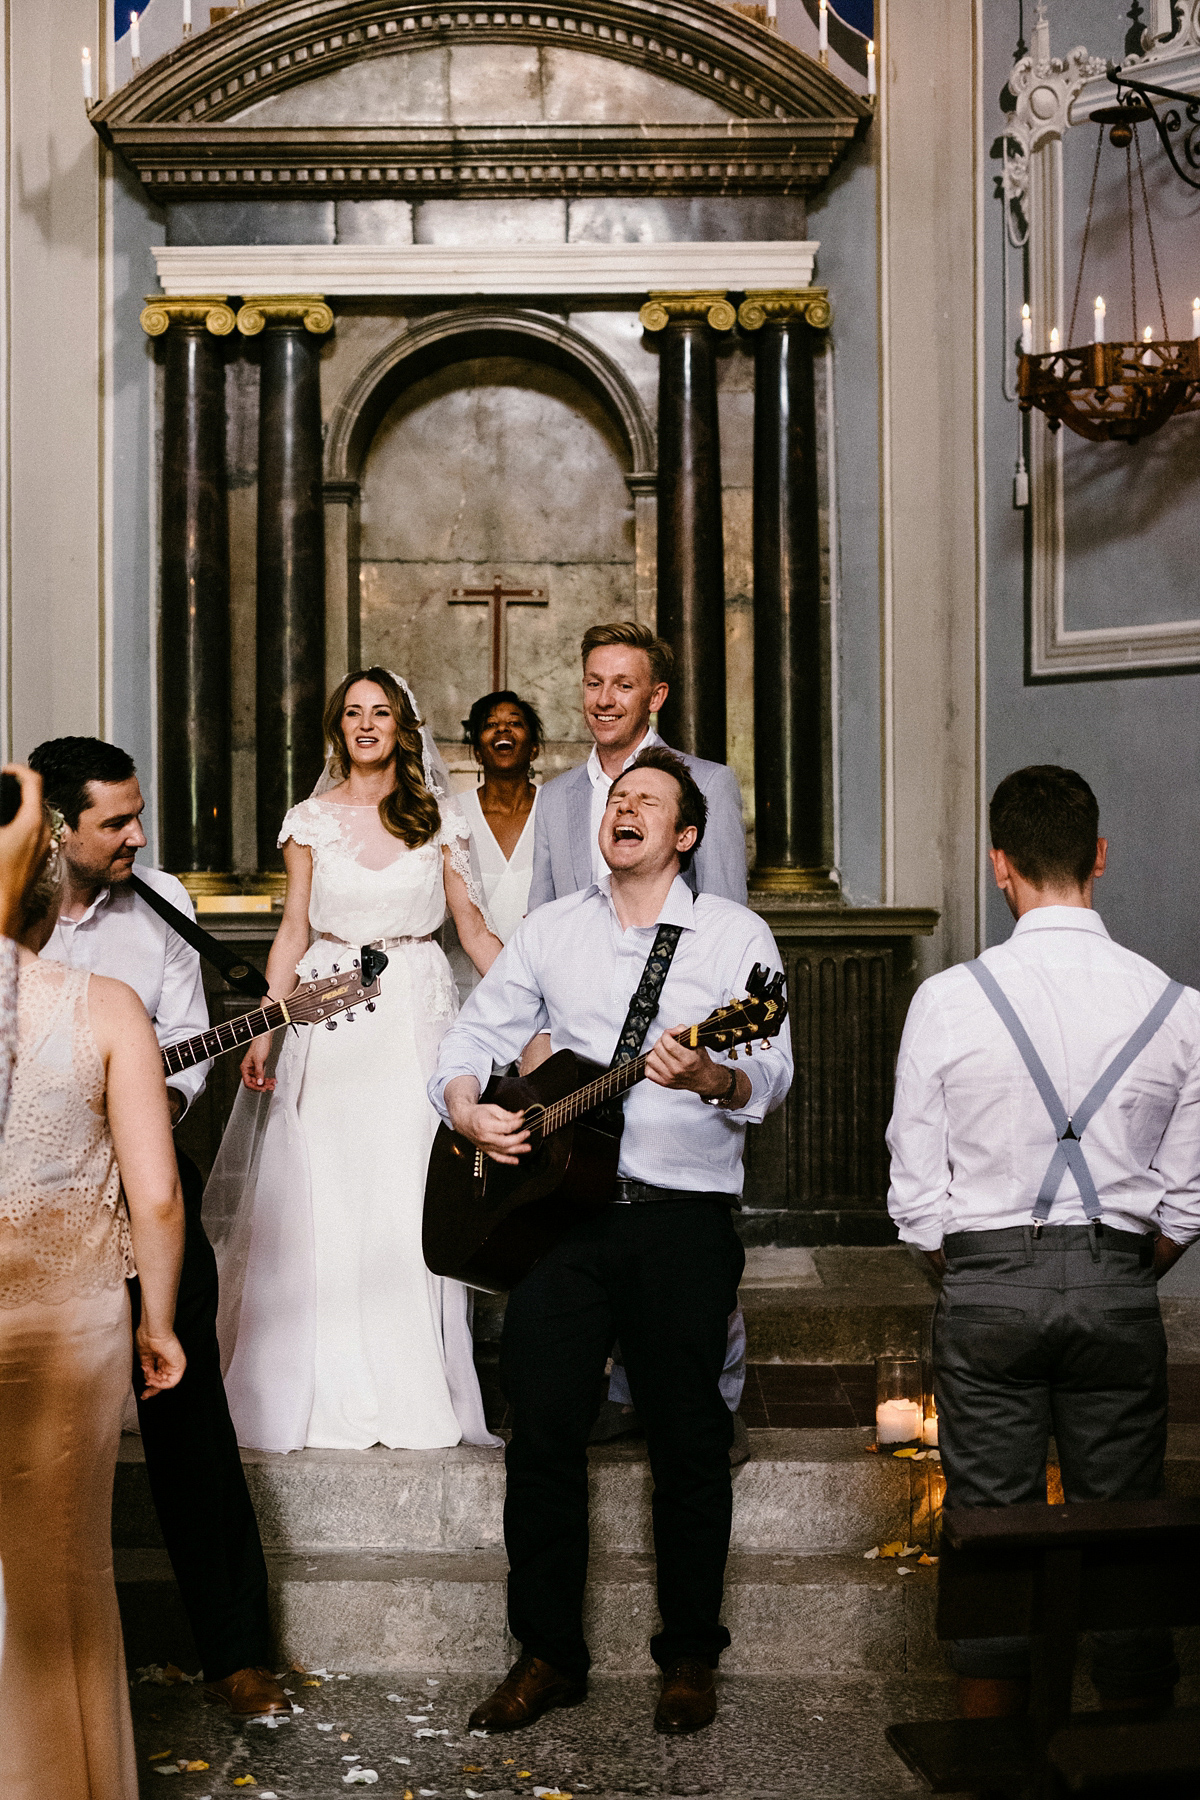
pixel 480 944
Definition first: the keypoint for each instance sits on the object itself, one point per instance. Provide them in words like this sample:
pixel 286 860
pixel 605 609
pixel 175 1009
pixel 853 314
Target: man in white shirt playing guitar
pixel 192 1457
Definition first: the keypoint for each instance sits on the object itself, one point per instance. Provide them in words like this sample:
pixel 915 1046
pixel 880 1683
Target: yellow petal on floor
pixel 926 1561
pixel 310 1684
pixel 871 1449
pixel 244 1781
pixel 904 1453
pixel 472 1769
pixel 194 1768
pixel 891 1549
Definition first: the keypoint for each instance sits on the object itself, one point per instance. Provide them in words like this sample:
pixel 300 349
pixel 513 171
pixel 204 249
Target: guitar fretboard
pixel 595 1093
pixel 220 1038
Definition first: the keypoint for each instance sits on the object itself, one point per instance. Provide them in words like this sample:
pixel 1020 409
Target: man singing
pixel 192 1459
pixel 660 1266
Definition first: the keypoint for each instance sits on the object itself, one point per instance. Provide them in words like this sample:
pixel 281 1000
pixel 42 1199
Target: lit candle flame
pixel 1147 336
pixel 1053 338
pixel 87 74
pixel 870 68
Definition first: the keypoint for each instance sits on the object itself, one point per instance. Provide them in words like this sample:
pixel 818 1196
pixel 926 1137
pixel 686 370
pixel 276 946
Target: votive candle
pixel 87 79
pixel 929 1430
pixel 1026 330
pixel 823 30
pixel 898 1421
pixel 1054 340
pixel 870 68
pixel 1098 312
pixel 135 38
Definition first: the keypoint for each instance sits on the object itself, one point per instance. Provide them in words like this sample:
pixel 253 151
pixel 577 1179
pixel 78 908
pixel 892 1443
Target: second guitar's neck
pixel 220 1038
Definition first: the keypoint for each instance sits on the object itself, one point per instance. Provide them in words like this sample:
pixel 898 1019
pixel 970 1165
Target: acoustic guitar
pixel 312 1003
pixel 488 1223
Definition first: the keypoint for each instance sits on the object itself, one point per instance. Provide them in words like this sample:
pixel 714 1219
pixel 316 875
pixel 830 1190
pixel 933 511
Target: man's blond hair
pixel 637 637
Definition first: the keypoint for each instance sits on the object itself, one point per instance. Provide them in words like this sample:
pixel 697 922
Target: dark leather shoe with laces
pixel 530 1688
pixel 248 1693
pixel 688 1701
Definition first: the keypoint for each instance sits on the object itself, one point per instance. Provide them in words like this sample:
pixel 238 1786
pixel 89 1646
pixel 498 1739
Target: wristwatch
pixel 727 1096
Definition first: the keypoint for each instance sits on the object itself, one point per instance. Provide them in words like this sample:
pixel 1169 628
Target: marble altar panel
pixel 412 88
pixel 374 222
pixel 597 90
pixel 490 221
pixel 496 83
pixel 250 222
pixel 712 218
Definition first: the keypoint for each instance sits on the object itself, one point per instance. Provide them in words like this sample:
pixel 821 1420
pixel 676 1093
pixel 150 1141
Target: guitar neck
pixel 608 1086
pixel 219 1038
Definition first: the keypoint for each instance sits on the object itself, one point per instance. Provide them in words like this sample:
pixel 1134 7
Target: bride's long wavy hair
pixel 410 811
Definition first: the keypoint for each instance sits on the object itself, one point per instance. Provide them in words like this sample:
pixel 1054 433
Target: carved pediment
pixel 353 97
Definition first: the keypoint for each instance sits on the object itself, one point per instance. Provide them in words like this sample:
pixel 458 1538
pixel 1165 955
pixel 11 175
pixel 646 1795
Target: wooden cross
pixel 499 599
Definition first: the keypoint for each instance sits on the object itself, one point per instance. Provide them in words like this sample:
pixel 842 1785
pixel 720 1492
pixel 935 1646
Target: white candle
pixel 897 1421
pixel 772 12
pixel 823 30
pixel 187 17
pixel 135 39
pixel 1026 330
pixel 870 68
pixel 1098 312
pixel 1196 317
pixel 1054 340
pixel 929 1430
pixel 87 91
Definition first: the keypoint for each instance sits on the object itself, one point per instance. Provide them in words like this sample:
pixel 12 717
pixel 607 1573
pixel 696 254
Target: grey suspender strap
pixel 1068 1152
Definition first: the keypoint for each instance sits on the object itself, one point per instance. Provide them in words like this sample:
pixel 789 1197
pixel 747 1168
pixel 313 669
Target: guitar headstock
pixel 760 1014
pixel 319 1000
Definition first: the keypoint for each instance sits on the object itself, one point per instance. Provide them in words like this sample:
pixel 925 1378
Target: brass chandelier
pixel 1114 391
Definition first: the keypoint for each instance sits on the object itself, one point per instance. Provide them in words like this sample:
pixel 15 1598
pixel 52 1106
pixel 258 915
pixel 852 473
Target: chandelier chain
pixel 1162 307
pixel 1132 264
pixel 1087 232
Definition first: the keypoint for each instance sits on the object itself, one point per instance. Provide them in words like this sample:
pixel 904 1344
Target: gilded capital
pixel 312 310
pixel 807 305
pixel 212 310
pixel 661 308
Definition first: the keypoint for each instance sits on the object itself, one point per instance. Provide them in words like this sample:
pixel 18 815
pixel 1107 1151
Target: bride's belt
pixel 380 943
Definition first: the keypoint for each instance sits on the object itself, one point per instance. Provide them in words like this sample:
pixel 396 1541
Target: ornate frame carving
pixel 1052 94
pixel 790 120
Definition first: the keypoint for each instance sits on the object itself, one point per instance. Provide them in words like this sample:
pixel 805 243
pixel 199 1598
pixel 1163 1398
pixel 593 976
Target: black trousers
pixel 663 1275
pixel 195 1472
pixel 1059 1333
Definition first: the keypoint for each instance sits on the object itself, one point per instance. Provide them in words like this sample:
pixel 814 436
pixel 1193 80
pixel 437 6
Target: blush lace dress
pixel 333 1333
pixel 65 1359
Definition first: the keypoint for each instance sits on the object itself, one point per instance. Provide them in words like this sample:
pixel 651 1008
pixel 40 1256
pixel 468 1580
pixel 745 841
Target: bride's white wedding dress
pixel 332 1331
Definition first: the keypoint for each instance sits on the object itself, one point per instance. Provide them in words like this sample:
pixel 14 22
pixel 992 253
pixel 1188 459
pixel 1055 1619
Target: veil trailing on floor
pixel 238 1172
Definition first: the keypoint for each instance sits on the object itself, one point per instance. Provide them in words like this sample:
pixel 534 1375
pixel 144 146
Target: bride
pixel 332 1331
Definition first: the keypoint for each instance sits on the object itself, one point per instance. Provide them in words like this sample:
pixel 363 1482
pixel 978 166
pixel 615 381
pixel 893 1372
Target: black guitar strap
pixel 238 973
pixel 644 1004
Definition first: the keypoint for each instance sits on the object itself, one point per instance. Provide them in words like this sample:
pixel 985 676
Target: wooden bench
pixel 1048 1573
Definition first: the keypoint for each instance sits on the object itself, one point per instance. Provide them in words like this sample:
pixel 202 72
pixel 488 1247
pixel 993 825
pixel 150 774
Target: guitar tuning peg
pixel 331 1024
pixel 733 1054
pixel 370 1006
pixel 349 1018
pixel 749 1049
pixel 315 976
pixel 336 970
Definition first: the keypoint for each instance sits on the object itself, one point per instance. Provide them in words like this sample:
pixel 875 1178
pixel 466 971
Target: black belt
pixel 629 1192
pixel 1049 1237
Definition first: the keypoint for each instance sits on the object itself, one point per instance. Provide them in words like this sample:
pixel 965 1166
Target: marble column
pixel 194 696
pixel 691 553
pixel 789 721
pixel 290 634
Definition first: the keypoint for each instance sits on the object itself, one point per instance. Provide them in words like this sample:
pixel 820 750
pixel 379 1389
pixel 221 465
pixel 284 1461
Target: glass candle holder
pixel 898 1400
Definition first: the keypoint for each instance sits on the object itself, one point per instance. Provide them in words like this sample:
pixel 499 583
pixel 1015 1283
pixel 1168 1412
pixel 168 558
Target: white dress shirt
pixel 572 970
pixel 601 783
pixel 970 1137
pixel 118 935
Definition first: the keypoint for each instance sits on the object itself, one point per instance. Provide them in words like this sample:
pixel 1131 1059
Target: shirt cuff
pixel 925 1237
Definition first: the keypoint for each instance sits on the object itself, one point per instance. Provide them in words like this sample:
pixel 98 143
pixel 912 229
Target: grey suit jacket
pixel 562 836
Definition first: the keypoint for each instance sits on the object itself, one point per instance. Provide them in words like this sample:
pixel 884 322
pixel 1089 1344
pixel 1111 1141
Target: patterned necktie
pixel 644 1004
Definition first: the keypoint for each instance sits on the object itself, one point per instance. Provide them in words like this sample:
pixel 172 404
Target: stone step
pixel 362 1611
pixel 802 1492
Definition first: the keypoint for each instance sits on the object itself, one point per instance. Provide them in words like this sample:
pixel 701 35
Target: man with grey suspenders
pixel 1046 1156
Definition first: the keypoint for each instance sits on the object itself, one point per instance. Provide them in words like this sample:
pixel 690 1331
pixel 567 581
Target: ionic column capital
pixel 808 306
pixel 310 310
pixel 211 310
pixel 662 308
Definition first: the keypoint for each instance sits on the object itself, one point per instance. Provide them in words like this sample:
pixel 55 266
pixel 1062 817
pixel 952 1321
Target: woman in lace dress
pixel 334 1333
pixel 88 1115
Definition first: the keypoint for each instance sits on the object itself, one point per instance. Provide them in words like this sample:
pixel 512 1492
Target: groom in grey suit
pixel 626 672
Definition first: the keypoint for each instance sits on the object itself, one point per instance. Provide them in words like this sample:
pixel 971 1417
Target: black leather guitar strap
pixel 643 1007
pixel 239 974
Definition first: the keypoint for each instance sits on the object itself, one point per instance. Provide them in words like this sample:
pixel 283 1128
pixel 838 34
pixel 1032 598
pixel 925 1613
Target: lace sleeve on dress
pixel 309 824
pixel 455 836
pixel 8 1022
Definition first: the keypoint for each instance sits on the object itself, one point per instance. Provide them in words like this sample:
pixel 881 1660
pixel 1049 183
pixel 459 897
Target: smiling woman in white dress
pixel 333 1332
pixel 505 734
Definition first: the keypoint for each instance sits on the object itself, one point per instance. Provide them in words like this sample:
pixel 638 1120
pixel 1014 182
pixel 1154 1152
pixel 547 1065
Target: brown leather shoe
pixel 248 1693
pixel 530 1688
pixel 688 1701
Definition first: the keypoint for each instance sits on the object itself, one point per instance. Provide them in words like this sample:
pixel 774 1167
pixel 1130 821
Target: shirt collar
pixel 596 774
pixel 102 899
pixel 1061 918
pixel 678 907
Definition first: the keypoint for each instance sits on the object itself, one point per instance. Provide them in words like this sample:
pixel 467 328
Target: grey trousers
pixel 1055 1334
